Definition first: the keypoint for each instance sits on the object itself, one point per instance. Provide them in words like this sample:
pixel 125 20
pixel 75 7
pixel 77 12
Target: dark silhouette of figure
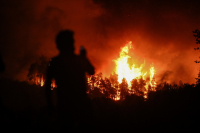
pixel 68 70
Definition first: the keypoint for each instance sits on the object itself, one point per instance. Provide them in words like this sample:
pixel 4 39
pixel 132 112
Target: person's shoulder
pixel 54 59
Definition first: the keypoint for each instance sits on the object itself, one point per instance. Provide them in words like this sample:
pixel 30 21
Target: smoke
pixel 28 30
pixel 161 32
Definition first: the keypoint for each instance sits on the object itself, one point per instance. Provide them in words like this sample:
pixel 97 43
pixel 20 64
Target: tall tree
pixel 196 34
pixel 123 89
pixel 138 86
pixel 110 90
pixel 134 86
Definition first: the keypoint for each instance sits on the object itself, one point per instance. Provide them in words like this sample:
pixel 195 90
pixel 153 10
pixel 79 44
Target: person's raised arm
pixel 89 67
pixel 85 62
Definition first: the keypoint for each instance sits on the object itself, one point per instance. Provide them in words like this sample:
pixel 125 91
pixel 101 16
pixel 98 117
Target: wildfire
pixel 124 70
pixel 40 81
pixel 125 81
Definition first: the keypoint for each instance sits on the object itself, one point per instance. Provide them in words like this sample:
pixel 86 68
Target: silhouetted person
pixel 68 70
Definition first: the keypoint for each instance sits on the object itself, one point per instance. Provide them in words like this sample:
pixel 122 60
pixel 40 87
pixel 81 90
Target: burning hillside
pixel 130 79
pixel 127 79
pixel 124 70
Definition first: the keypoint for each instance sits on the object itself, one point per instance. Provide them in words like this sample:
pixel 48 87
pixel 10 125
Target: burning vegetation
pixel 37 72
pixel 125 80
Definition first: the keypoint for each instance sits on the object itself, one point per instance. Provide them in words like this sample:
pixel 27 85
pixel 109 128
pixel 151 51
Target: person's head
pixel 65 41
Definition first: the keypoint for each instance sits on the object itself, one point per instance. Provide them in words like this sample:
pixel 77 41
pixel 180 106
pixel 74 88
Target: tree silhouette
pixel 142 83
pixel 110 91
pixel 99 87
pixel 134 86
pixel 138 86
pixel 92 81
pixel 166 86
pixel 96 85
pixel 38 69
pixel 100 82
pixel 114 83
pixel 123 89
pixel 114 80
pixel 95 93
pixel 196 34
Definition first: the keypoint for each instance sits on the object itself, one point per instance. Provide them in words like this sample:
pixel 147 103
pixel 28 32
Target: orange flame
pixel 152 79
pixel 42 81
pixel 122 67
pixel 53 84
pixel 129 73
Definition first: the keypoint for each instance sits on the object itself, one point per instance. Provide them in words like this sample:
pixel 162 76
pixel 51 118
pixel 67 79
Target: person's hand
pixel 82 51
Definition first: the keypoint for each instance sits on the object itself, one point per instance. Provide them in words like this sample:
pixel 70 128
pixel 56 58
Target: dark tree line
pixel 97 86
pixel 171 108
pixel 110 87
pixel 107 87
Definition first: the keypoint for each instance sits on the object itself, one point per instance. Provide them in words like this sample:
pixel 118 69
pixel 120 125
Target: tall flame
pixel 122 67
pixel 124 70
pixel 152 79
pixel 42 81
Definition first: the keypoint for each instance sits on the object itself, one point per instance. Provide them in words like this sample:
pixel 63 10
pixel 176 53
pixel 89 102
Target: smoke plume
pixel 161 32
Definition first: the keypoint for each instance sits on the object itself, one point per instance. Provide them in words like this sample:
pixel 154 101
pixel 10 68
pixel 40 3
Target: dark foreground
pixel 169 110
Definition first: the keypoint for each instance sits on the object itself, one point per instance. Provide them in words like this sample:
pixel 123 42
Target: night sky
pixel 161 32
